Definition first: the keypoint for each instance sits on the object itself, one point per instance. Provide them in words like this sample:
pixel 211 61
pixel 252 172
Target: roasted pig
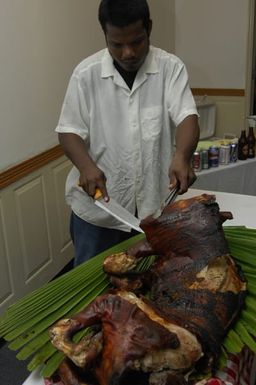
pixel 192 294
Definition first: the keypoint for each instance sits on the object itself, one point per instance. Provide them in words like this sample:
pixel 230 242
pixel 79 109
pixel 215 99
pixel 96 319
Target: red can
pixel 196 161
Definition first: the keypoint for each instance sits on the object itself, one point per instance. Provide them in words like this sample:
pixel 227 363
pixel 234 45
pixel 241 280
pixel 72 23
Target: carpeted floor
pixel 12 371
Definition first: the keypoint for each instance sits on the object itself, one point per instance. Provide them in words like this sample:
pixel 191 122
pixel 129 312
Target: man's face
pixel 128 45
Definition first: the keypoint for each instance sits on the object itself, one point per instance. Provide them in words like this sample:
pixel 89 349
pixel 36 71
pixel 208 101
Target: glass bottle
pixel 251 143
pixel 242 146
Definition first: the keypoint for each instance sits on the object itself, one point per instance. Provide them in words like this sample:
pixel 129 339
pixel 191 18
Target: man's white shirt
pixel 129 133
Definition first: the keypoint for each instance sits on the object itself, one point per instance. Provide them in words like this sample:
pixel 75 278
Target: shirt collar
pixel 108 69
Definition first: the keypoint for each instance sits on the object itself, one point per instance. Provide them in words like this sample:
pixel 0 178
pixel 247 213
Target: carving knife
pixel 117 211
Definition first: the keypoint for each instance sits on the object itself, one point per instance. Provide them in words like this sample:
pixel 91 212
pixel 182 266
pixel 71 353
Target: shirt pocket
pixel 151 123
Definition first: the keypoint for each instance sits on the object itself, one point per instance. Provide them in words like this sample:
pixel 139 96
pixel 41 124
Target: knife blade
pixel 169 199
pixel 171 196
pixel 117 211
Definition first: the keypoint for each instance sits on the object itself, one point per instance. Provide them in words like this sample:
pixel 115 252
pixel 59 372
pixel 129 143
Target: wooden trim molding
pixel 20 170
pixel 218 91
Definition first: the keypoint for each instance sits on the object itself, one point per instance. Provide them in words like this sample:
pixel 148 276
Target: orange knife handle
pixel 98 193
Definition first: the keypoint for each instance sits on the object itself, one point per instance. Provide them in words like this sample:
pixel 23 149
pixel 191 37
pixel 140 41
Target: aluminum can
pixel 205 159
pixel 224 156
pixel 196 161
pixel 213 156
pixel 233 152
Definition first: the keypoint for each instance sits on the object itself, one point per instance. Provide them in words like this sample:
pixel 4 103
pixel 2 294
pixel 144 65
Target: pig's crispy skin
pixel 196 292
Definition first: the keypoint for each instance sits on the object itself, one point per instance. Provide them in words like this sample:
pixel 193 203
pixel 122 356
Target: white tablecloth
pixel 243 207
pixel 34 379
pixel 238 178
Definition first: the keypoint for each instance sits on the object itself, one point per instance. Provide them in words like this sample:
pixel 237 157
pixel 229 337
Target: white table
pixel 34 379
pixel 238 178
pixel 243 209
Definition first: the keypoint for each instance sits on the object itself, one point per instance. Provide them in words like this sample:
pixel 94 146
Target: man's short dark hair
pixel 121 13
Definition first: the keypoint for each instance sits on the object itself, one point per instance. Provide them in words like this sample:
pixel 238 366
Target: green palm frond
pixel 25 324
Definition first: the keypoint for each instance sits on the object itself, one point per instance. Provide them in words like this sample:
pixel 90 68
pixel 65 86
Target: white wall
pixel 42 40
pixel 211 38
pixel 40 43
pixel 163 31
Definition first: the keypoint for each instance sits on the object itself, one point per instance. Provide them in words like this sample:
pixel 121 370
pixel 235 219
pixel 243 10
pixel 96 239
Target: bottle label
pixel 243 152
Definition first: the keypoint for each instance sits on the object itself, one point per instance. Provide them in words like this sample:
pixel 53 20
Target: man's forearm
pixel 91 177
pixel 181 173
pixel 187 137
pixel 75 149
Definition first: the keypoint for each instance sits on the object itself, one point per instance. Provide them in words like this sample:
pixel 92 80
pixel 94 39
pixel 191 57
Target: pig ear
pixel 89 347
pixel 224 215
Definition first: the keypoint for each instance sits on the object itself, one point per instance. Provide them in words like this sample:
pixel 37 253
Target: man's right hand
pixel 91 177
